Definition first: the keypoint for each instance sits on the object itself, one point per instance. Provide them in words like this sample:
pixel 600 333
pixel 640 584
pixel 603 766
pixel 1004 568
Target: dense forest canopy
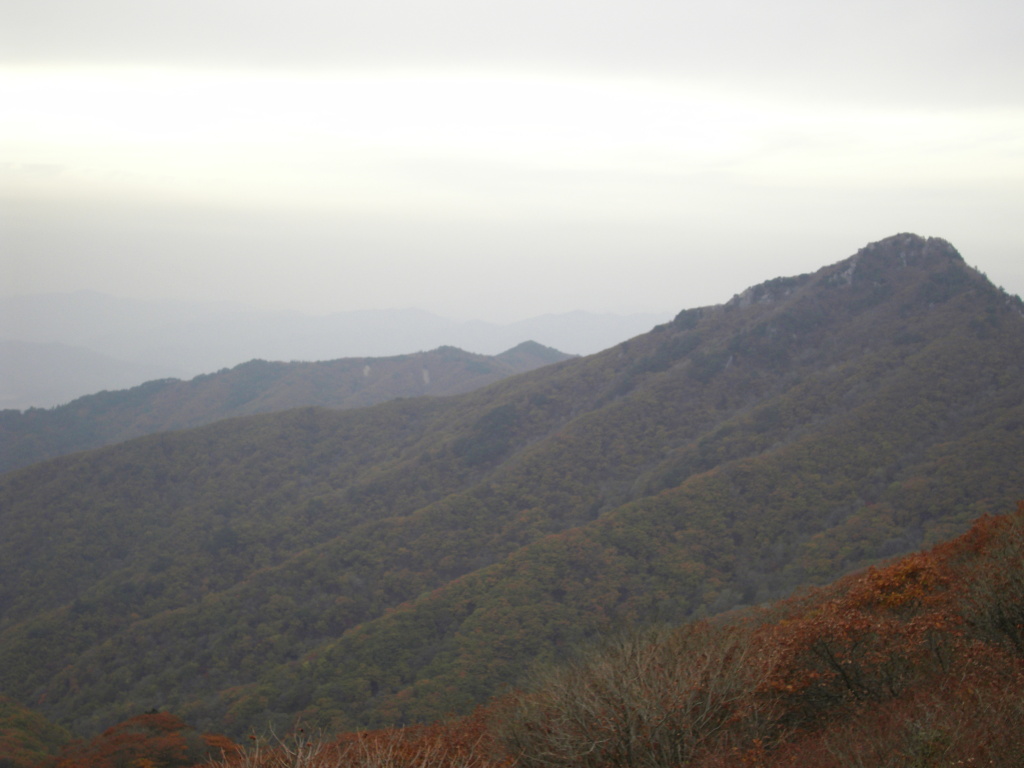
pixel 916 663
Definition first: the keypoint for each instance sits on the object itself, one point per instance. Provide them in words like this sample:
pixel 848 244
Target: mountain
pixel 254 387
pixel 185 339
pixel 394 563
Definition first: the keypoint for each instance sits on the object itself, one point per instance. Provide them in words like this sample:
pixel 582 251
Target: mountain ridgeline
pixel 397 563
pixel 55 348
pixel 258 386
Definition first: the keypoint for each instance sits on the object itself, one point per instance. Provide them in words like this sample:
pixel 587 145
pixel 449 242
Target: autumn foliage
pixel 464 743
pixel 152 740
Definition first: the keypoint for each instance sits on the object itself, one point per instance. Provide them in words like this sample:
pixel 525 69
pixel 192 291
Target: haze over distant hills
pixel 63 346
pixel 257 386
pixel 42 375
pixel 396 563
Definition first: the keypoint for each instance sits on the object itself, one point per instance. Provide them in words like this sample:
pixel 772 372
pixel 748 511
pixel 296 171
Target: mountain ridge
pixel 257 386
pixel 390 564
pixel 187 339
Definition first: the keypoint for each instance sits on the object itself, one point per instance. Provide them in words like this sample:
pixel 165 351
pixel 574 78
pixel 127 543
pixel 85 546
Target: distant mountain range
pixel 57 347
pixel 407 560
pixel 254 387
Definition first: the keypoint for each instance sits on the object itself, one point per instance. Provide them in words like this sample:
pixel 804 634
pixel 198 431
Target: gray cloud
pixel 940 52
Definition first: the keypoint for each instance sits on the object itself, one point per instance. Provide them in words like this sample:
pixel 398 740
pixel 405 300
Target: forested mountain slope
pixel 917 662
pixel 258 386
pixel 408 560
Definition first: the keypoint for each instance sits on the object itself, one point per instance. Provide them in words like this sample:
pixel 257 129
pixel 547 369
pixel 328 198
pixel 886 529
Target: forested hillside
pixel 397 563
pixel 916 663
pixel 258 386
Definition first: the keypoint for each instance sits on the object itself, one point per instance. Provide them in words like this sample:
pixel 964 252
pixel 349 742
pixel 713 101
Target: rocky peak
pixel 907 249
pixel 893 260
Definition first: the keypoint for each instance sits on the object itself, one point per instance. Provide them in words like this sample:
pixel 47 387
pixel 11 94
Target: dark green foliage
pixel 26 737
pixel 942 286
pixel 687 319
pixel 704 366
pixel 490 438
pixel 667 354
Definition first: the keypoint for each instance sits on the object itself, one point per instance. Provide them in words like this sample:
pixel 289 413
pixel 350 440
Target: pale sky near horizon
pixel 499 161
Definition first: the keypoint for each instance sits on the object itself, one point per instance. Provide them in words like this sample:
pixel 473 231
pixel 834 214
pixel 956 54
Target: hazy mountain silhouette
pixel 254 387
pixel 186 339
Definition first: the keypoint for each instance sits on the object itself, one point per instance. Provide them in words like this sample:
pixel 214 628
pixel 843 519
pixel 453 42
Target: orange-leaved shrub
pixel 152 740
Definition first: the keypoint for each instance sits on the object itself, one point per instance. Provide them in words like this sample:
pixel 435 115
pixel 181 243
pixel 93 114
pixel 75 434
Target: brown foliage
pixel 993 603
pixel 153 740
pixel 645 699
pixel 867 642
pixel 968 719
pixel 463 743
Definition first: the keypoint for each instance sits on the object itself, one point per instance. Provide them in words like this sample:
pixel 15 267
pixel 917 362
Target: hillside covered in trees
pixel 394 564
pixel 919 662
pixel 258 386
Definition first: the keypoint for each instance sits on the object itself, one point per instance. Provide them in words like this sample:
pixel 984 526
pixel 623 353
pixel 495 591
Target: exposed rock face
pixel 912 249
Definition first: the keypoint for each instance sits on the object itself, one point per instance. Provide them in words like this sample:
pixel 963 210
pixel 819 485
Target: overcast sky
pixel 499 160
